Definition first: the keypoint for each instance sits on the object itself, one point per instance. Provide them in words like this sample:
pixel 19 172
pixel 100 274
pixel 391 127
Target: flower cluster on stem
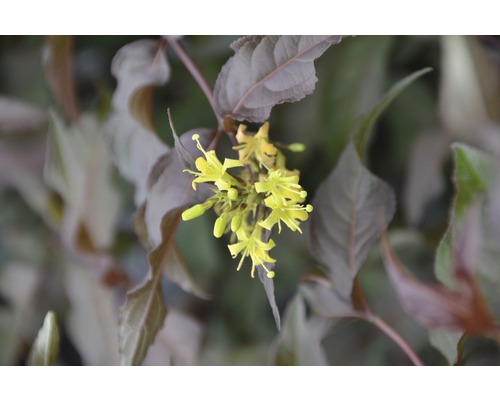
pixel 262 194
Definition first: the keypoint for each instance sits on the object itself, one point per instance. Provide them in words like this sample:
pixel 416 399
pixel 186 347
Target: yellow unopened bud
pixel 296 147
pixel 232 194
pixel 236 222
pixel 220 226
pixel 193 212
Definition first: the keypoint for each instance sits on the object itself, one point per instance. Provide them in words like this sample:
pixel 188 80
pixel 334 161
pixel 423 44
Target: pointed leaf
pixel 446 342
pixel 299 342
pixel 361 133
pixel 59 73
pixel 269 288
pixel 268 70
pixel 144 311
pixel 46 346
pixel 351 208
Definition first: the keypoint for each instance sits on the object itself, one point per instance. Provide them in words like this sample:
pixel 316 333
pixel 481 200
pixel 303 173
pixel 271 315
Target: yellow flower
pixel 210 169
pixel 281 185
pixel 257 145
pixel 252 246
pixel 290 213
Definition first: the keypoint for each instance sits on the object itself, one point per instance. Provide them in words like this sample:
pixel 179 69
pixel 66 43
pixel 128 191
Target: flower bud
pixel 296 147
pixel 220 226
pixel 236 222
pixel 232 194
pixel 193 212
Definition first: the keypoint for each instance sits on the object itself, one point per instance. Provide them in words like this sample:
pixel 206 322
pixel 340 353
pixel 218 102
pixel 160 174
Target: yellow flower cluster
pixel 263 194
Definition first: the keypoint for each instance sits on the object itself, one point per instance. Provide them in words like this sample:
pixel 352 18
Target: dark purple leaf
pixel 266 71
pixel 351 208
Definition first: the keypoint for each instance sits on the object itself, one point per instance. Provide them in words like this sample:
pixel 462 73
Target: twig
pixel 196 74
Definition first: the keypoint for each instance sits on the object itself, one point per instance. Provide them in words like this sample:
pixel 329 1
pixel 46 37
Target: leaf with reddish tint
pixel 299 342
pixel 59 73
pixel 266 71
pixel 351 208
pixel 435 306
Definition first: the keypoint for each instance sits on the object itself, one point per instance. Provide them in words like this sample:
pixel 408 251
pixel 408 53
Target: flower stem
pixel 196 74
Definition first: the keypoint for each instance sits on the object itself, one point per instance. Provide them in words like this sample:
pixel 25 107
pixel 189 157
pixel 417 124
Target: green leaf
pixel 446 342
pixel 46 346
pixel 299 342
pixel 266 71
pixel 361 133
pixel 474 171
pixel 351 208
pixel 144 311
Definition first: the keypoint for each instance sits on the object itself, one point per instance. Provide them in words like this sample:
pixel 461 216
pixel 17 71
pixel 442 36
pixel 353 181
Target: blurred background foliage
pixel 236 326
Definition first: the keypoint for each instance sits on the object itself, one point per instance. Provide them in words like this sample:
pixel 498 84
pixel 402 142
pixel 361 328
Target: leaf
pixel 474 171
pixel 446 342
pixel 144 311
pixel 185 156
pixel 134 150
pixel 436 306
pixel 19 116
pixel 46 346
pixel 424 178
pixel 351 208
pixel 129 132
pixel 269 288
pixel 78 168
pixel 180 339
pixel 268 70
pixel 58 55
pixel 169 187
pixel 364 125
pixel 91 320
pixel 299 342
pixel 323 299
pixel 138 66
